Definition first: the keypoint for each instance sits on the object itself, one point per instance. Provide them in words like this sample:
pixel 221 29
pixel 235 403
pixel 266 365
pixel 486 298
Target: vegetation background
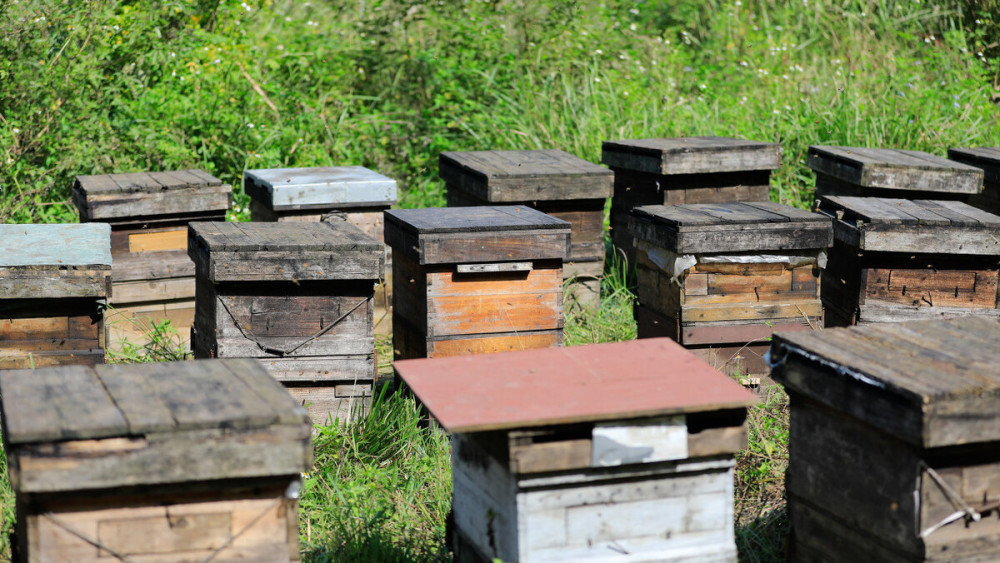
pixel 101 86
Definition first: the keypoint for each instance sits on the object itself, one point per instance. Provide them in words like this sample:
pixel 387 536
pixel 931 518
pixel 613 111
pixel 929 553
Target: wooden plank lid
pixel 895 169
pixel 701 228
pixel 56 245
pixel 921 226
pixel 987 158
pixel 322 187
pixel 131 196
pixel 525 176
pixel 600 382
pixel 690 155
pixel 452 235
pixel 931 383
pixel 328 250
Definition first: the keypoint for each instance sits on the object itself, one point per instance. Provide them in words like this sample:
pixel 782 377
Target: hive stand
pixel 551 181
pixel 896 260
pixel 153 277
pixel 473 280
pixel 893 441
pixel 354 193
pixel 684 170
pixel 988 159
pixel 297 296
pixel 856 171
pixel 719 278
pixel 54 285
pixel 607 452
pixel 183 461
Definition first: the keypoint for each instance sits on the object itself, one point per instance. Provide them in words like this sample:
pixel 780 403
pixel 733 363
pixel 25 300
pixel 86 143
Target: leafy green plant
pixel 161 343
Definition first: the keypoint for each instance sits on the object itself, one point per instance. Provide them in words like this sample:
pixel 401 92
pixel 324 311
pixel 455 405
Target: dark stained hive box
pixel 354 193
pixel 551 181
pixel 148 212
pixel 684 170
pixel 472 280
pixel 719 278
pixel 897 259
pixel 588 453
pixel 54 285
pixel 987 159
pixel 297 296
pixel 856 171
pixel 182 461
pixel 893 445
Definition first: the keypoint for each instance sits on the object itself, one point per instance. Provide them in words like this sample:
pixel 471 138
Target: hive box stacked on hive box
pixel 893 441
pixel 684 170
pixel 297 296
pixel 988 159
pixel 191 461
pixel 152 275
pixel 54 284
pixel 855 171
pixel 354 193
pixel 471 280
pixel 550 181
pixel 606 452
pixel 896 260
pixel 718 278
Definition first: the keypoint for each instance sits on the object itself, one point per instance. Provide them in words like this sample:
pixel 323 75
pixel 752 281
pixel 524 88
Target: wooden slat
pixel 521 176
pixel 893 169
pixel 690 155
pixel 55 245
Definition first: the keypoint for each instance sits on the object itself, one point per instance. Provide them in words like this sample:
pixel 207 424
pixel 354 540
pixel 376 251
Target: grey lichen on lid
pixel 87 244
pixel 280 187
pixel 691 155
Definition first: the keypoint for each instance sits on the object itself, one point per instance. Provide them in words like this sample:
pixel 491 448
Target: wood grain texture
pixel 55 282
pixel 326 187
pixel 55 245
pixel 119 197
pixel 690 155
pixel 895 169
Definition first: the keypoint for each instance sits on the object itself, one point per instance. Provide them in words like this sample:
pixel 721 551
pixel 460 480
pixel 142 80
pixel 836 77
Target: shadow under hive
pixel 297 296
pixel 719 278
pixel 153 277
pixel 551 181
pixel 856 171
pixel 605 452
pixel 354 193
pixel 893 441
pixel 191 461
pixel 473 280
pixel 896 260
pixel 54 285
pixel 684 170
pixel 988 159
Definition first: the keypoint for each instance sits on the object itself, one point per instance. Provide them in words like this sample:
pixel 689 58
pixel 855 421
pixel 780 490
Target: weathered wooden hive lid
pixel 930 383
pixel 690 155
pixel 601 382
pixel 901 225
pixel 460 235
pixel 117 197
pixel 525 176
pixel 986 158
pixel 319 187
pixel 142 424
pixel 329 250
pixel 702 228
pixel 895 169
pixel 56 245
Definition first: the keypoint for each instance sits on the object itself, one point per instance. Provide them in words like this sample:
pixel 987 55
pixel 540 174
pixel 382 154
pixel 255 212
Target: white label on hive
pixel 660 439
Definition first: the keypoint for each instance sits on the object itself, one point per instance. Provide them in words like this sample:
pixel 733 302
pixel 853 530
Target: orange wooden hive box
pixel 588 452
pixel 470 280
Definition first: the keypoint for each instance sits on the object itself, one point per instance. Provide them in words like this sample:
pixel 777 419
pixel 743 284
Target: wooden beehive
pixel 896 260
pixel 551 181
pixel 472 280
pixel 893 441
pixel 297 296
pixel 684 170
pixel 618 451
pixel 54 285
pixel 718 278
pixel 182 461
pixel 152 275
pixel 354 193
pixel 987 159
pixel 856 171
